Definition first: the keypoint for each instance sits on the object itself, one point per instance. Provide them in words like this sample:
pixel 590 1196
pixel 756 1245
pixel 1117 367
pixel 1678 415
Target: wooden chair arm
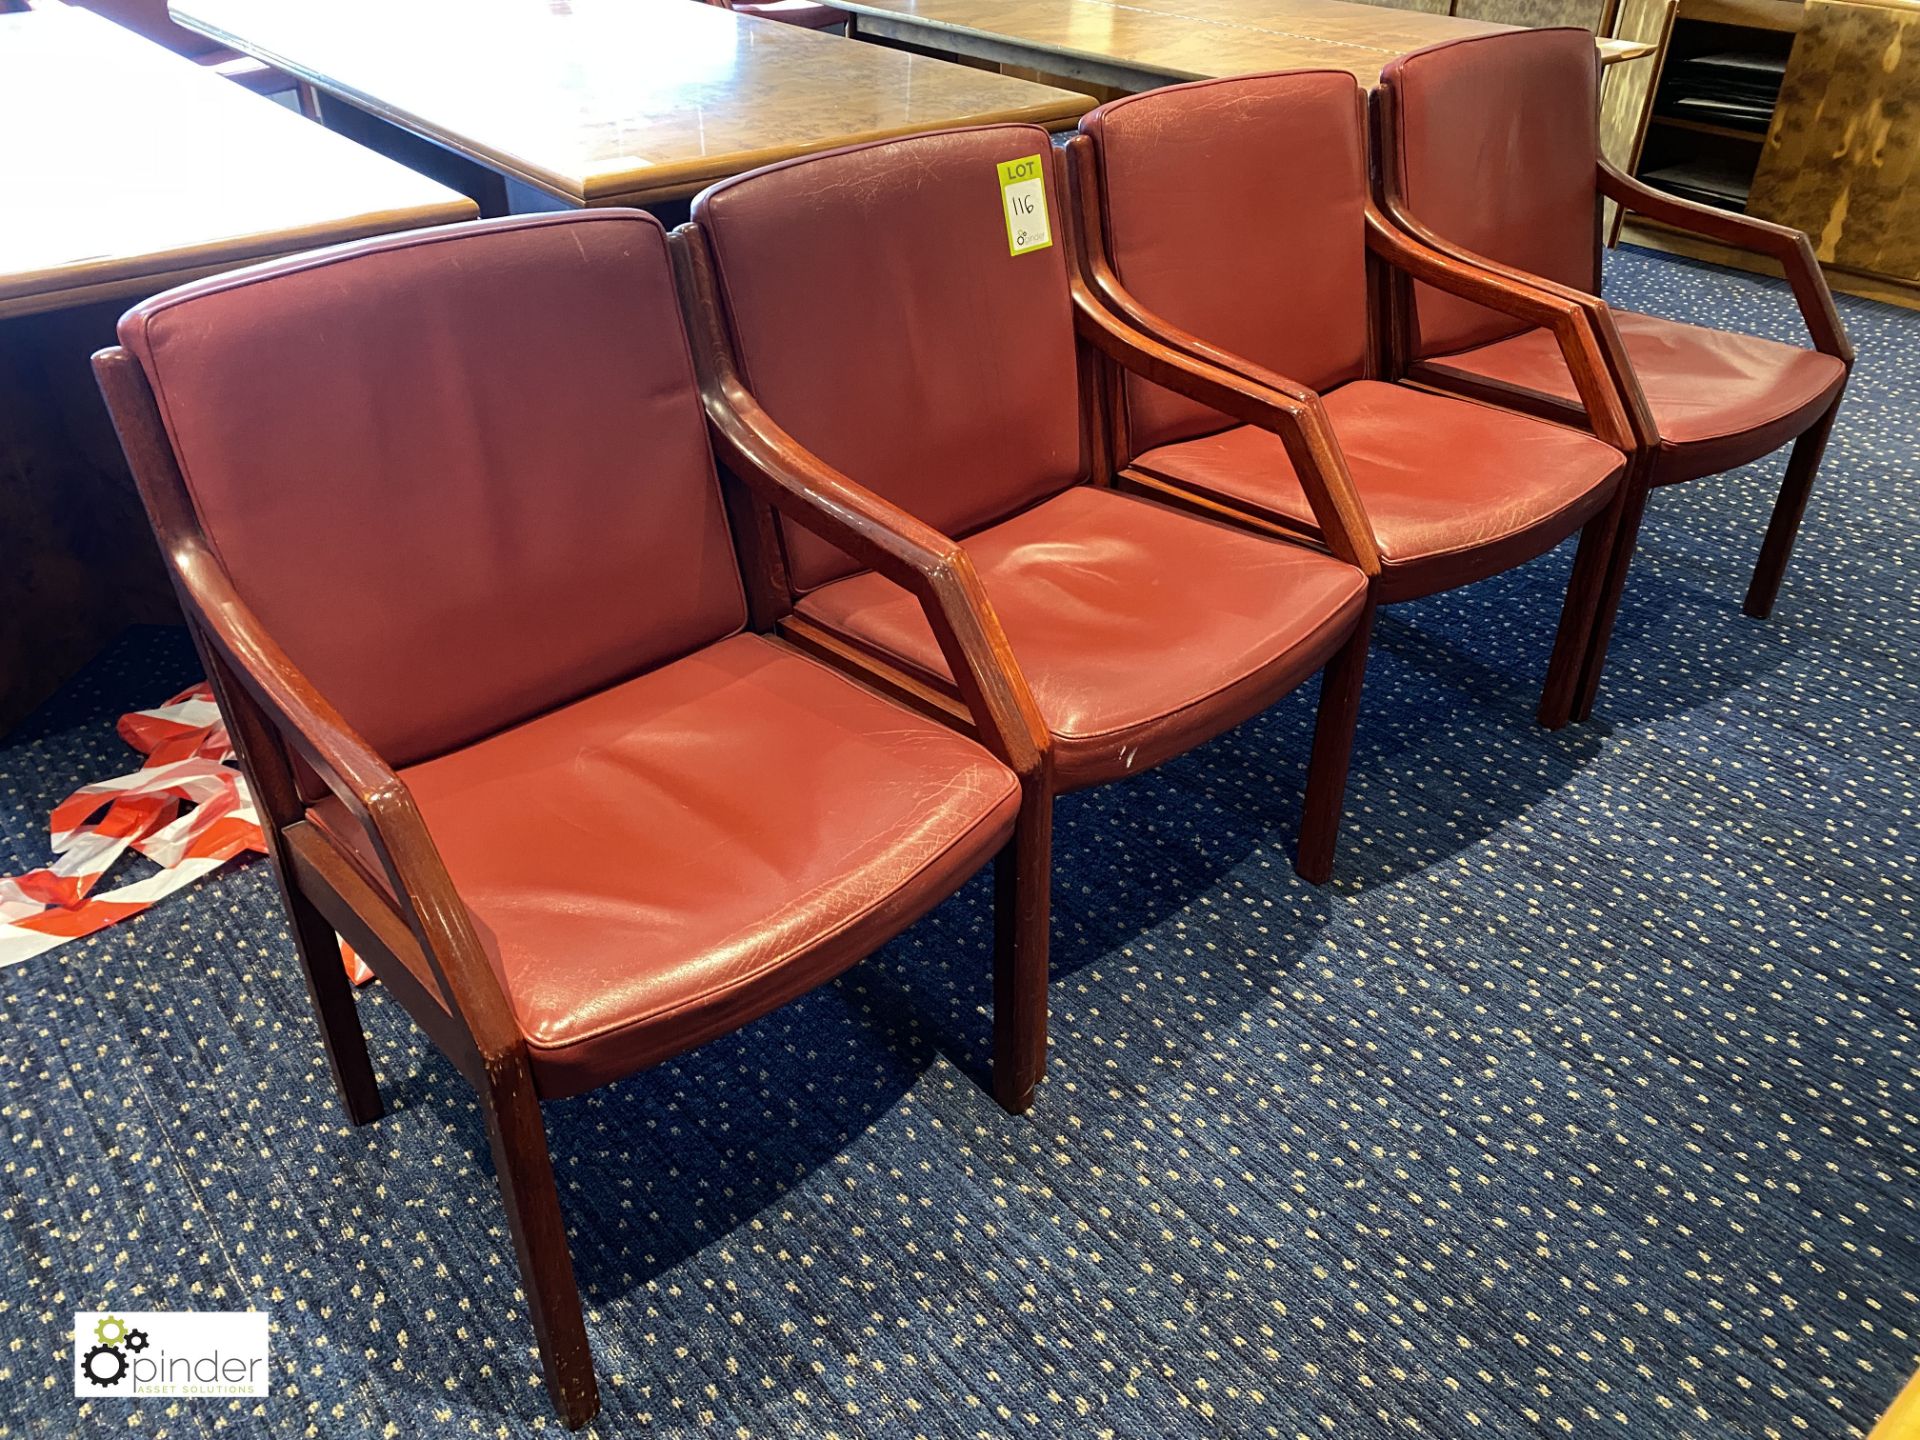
pixel 1115 322
pixel 1743 232
pixel 933 567
pixel 1239 389
pixel 376 798
pixel 1574 319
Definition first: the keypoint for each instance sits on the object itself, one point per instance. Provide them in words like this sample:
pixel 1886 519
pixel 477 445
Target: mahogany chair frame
pixel 1312 447
pixel 408 922
pixel 1789 248
pixel 804 488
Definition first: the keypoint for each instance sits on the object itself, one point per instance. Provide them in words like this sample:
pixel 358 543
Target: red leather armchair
pixel 1232 219
pixel 1490 151
pixel 444 519
pixel 952 395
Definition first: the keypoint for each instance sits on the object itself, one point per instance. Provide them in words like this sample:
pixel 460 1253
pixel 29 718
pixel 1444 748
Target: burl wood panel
pixel 1627 91
pixel 1840 159
pixel 128 168
pixel 614 101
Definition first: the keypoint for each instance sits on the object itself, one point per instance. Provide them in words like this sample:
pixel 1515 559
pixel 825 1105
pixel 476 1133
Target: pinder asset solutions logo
pixel 134 1354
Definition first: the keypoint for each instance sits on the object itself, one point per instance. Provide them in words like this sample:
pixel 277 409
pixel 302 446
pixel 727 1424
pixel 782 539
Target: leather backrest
pixel 1494 142
pixel 461 475
pixel 879 316
pixel 1234 209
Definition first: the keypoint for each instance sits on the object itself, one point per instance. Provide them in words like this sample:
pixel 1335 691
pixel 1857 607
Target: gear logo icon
pixel 104 1365
pixel 110 1330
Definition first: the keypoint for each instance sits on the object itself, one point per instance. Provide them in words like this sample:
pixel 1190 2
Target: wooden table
pixel 613 102
pixel 1131 45
pixel 127 169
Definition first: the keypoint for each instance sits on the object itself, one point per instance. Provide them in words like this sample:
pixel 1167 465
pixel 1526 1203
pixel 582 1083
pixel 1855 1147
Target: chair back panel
pixel 1235 210
pixel 461 475
pixel 879 316
pixel 1494 143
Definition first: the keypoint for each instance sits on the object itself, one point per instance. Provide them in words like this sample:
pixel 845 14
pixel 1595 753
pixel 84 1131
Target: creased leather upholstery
pixel 1494 145
pixel 664 861
pixel 443 536
pixel 1256 246
pixel 1142 630
pixel 1507 488
pixel 942 374
pixel 1719 398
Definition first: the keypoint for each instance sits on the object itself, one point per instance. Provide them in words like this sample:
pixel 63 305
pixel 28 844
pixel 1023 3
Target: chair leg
pixel 1333 731
pixel 1572 645
pixel 1625 541
pixel 333 1006
pixel 1022 883
pixel 1788 508
pixel 525 1171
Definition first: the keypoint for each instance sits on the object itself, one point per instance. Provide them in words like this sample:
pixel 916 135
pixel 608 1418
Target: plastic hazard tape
pixel 187 809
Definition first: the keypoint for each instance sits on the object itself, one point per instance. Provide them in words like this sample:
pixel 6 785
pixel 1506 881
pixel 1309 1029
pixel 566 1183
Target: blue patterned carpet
pixel 1583 1102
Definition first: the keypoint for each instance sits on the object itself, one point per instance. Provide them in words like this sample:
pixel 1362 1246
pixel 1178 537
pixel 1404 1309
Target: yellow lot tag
pixel 1023 195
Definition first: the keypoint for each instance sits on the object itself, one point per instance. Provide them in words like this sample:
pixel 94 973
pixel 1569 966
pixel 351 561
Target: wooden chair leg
pixel 1625 541
pixel 1333 730
pixel 333 1005
pixel 1022 884
pixel 1788 508
pixel 525 1171
pixel 1571 646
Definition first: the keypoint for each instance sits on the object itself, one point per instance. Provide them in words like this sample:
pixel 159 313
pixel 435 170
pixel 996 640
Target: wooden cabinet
pixel 1842 158
pixel 1831 146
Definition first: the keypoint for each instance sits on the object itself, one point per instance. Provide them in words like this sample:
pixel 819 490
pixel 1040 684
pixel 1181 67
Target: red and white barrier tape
pixel 187 809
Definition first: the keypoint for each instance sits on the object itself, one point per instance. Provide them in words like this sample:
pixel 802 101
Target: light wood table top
pixel 614 101
pixel 1140 44
pixel 128 169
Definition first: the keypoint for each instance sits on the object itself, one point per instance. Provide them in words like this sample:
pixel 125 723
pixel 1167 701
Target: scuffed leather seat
pixel 1490 149
pixel 1098 593
pixel 1720 399
pixel 445 518
pixel 664 861
pixel 1234 214
pixel 957 385
pixel 1455 492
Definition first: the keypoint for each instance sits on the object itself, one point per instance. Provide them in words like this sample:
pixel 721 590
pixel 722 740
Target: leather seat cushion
pixel 1720 399
pixel 1142 630
pixel 1455 490
pixel 662 862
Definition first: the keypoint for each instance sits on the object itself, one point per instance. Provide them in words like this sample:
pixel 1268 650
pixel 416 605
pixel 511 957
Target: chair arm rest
pixel 376 798
pixel 1576 321
pixel 1133 337
pixel 931 566
pixel 1788 246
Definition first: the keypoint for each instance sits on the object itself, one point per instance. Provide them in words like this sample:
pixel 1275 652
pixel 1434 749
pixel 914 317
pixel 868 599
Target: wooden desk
pixel 613 102
pixel 128 169
pixel 1133 45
